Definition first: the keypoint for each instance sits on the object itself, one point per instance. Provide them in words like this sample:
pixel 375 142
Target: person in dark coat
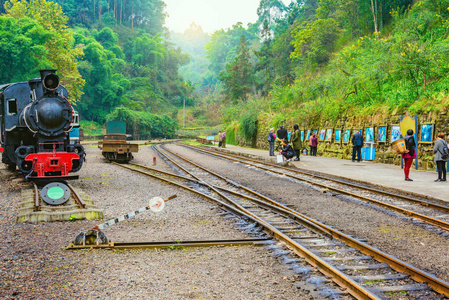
pixel 314 145
pixel 281 134
pixel 409 154
pixel 295 140
pixel 439 150
pixel 357 142
pixel 287 150
pixel 271 139
pixel 223 139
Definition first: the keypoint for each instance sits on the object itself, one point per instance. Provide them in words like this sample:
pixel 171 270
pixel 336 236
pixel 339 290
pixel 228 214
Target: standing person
pixel 287 150
pixel 220 139
pixel 310 144
pixel 271 139
pixel 409 154
pixel 281 134
pixel 357 142
pixel 223 139
pixel 314 146
pixel 295 140
pixel 441 156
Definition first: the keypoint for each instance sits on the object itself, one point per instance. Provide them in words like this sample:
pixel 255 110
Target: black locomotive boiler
pixel 35 121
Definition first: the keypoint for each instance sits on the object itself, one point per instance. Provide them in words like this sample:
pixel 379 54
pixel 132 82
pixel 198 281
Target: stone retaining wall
pixel 440 120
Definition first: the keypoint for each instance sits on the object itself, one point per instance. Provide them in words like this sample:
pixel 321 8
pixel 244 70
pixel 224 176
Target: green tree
pixel 238 78
pixel 315 41
pixel 22 49
pixel 60 51
pixel 222 47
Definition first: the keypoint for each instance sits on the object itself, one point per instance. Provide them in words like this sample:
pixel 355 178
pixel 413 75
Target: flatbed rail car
pixel 115 148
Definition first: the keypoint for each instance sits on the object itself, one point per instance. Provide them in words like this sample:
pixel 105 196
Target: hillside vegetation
pixel 114 56
pixel 325 60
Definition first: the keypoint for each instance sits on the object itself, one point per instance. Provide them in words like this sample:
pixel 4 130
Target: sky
pixel 211 15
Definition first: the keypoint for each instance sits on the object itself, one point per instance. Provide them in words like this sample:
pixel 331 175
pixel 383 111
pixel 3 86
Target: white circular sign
pixel 157 204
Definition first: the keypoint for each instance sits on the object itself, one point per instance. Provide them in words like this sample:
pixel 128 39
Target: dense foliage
pixel 34 35
pixel 310 60
pixel 327 59
pixel 115 56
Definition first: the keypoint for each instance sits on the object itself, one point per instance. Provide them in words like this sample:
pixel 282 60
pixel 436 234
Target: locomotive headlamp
pixel 51 82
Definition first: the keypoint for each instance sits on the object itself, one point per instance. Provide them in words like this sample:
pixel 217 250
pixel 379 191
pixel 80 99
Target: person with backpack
pixel 357 142
pixel 410 153
pixel 271 138
pixel 281 134
pixel 441 156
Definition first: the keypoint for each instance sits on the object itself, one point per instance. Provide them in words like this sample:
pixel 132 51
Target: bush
pixel 248 127
pixel 143 124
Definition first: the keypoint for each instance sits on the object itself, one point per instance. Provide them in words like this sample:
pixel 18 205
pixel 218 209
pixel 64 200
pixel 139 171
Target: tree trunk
pixel 99 11
pixel 374 11
pixel 121 11
pixel 381 21
pixel 132 16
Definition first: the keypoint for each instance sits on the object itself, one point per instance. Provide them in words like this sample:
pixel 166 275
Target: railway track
pixel 76 197
pixel 425 211
pixel 350 266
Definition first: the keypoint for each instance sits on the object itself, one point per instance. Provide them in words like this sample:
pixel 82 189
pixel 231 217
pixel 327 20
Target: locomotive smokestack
pixel 50 80
pixel 45 72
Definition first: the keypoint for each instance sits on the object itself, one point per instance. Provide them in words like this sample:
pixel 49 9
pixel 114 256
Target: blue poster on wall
pixel 329 135
pixel 369 134
pixel 346 136
pixel 322 134
pixel 382 135
pixel 308 135
pixel 337 136
pixel 426 133
pixel 395 133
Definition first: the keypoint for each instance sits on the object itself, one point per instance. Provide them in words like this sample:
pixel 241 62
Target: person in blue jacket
pixel 357 142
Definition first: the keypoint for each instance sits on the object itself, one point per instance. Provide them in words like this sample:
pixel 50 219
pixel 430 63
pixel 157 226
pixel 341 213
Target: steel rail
pixel 77 197
pixel 337 276
pixel 427 219
pixel 323 177
pixel 37 204
pixel 175 244
pixel 419 275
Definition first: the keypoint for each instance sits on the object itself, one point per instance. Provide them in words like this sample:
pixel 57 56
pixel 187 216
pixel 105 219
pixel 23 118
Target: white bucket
pixel 280 159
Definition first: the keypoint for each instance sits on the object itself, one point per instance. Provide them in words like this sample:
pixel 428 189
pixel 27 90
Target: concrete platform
pixel 389 176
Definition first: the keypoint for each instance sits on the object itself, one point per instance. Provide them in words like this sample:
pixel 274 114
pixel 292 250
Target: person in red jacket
pixel 313 142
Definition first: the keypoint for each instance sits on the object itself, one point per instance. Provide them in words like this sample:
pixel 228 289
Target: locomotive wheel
pixel 91 237
pixel 12 167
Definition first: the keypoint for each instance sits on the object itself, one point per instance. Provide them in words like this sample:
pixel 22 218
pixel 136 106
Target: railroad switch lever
pixel 96 237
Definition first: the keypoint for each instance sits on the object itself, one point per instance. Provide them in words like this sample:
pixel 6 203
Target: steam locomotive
pixel 35 122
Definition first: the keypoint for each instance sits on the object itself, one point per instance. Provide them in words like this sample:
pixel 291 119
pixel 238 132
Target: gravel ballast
pixel 422 247
pixel 33 264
